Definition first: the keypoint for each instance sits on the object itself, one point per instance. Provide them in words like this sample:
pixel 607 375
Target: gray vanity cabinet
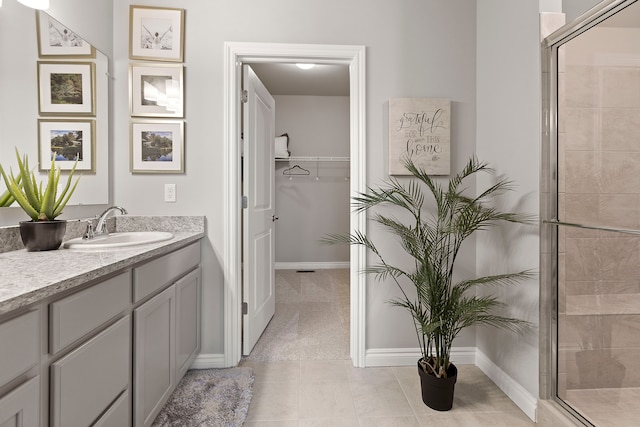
pixel 105 354
pixel 166 328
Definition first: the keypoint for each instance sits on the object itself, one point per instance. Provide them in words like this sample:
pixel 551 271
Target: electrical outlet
pixel 169 192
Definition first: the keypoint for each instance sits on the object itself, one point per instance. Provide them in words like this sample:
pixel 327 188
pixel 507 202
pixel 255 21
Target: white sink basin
pixel 118 240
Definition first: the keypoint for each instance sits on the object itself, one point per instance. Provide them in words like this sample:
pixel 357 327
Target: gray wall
pixel 574 8
pixel 414 49
pixel 311 208
pixel 508 137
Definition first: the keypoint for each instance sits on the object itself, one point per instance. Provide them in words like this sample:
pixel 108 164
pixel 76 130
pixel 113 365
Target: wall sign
pixel 420 129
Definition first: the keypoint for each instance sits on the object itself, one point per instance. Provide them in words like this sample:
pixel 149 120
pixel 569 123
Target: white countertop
pixel 28 277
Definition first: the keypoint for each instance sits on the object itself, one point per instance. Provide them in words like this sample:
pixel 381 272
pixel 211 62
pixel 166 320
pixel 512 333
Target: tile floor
pixel 310 392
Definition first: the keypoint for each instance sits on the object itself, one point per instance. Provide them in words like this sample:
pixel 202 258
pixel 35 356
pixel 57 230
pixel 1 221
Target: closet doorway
pixel 311 200
pixel 237 54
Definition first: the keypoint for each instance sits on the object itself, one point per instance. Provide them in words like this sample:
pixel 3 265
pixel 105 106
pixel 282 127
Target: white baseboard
pixel 410 356
pixel 310 265
pixel 208 361
pixel 518 394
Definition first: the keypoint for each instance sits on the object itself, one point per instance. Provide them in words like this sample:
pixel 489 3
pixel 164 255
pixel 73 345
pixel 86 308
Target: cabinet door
pixel 188 291
pixel 88 380
pixel 21 407
pixel 154 356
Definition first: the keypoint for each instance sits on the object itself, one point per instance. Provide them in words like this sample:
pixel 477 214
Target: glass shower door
pixel 598 218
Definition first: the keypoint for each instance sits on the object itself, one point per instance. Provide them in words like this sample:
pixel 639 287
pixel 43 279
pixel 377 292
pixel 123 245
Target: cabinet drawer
pixel 80 313
pixel 85 382
pixel 163 271
pixel 20 345
pixel 118 415
pixel 21 407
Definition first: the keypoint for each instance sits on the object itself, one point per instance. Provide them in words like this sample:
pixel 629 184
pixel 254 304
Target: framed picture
pixel 67 140
pixel 57 41
pixel 156 90
pixel 420 130
pixel 66 88
pixel 156 34
pixel 157 146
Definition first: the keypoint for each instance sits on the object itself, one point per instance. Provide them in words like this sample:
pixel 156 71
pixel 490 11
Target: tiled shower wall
pixel 599 185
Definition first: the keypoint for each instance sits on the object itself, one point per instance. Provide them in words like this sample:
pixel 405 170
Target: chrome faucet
pixel 100 226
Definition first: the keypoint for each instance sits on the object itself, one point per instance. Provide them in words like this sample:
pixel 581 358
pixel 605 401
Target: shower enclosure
pixel 591 215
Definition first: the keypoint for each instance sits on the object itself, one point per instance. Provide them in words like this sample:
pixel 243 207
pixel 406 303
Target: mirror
pixel 19 89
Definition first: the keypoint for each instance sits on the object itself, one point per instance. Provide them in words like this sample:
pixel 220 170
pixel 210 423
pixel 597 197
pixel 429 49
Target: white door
pixel 259 215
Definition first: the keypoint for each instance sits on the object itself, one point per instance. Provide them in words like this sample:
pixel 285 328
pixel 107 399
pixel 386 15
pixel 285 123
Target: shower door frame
pixel 549 196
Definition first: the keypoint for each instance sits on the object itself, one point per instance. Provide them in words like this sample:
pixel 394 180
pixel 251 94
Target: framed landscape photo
pixel 157 146
pixel 156 90
pixel 66 88
pixel 57 41
pixel 69 140
pixel 156 34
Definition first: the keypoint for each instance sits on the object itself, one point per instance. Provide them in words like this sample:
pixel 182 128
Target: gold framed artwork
pixel 68 140
pixel 156 90
pixel 420 130
pixel 57 41
pixel 66 88
pixel 156 34
pixel 157 146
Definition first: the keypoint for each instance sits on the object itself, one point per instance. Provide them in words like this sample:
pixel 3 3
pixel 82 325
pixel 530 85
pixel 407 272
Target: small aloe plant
pixel 6 199
pixel 40 204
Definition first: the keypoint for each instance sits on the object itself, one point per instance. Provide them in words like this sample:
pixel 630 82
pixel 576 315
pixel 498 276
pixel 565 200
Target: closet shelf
pixel 313 159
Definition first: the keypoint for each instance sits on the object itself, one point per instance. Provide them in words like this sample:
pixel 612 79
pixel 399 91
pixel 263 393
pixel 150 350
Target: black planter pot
pixel 437 393
pixel 42 235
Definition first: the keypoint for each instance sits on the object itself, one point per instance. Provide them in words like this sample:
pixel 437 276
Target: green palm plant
pixel 441 308
pixel 40 204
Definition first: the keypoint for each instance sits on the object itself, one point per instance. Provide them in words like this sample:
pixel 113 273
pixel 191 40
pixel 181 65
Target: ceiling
pixel 288 79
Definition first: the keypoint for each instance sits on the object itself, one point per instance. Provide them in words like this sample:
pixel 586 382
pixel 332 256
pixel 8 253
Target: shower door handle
pixel 592 227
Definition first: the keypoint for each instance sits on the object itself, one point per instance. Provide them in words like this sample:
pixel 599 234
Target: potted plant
pixel 43 205
pixel 440 307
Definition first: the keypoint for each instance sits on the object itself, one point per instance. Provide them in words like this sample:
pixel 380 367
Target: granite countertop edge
pixel 22 285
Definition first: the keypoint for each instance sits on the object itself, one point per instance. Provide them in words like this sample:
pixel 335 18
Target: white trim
pixel 410 356
pixel 527 402
pixel 234 54
pixel 208 361
pixel 311 265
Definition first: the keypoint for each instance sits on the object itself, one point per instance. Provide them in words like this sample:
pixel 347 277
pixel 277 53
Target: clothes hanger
pixel 296 170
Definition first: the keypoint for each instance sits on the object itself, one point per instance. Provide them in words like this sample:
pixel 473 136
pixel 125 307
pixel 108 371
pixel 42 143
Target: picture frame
pixel 420 130
pixel 156 90
pixel 157 146
pixel 69 139
pixel 57 41
pixel 156 34
pixel 66 88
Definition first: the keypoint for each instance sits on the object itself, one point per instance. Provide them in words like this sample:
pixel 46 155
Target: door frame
pixel 235 54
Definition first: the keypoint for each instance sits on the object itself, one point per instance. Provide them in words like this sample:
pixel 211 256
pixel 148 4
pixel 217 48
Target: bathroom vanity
pixel 97 338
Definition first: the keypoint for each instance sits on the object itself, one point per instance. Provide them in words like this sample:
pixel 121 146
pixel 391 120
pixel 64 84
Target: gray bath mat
pixel 209 397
